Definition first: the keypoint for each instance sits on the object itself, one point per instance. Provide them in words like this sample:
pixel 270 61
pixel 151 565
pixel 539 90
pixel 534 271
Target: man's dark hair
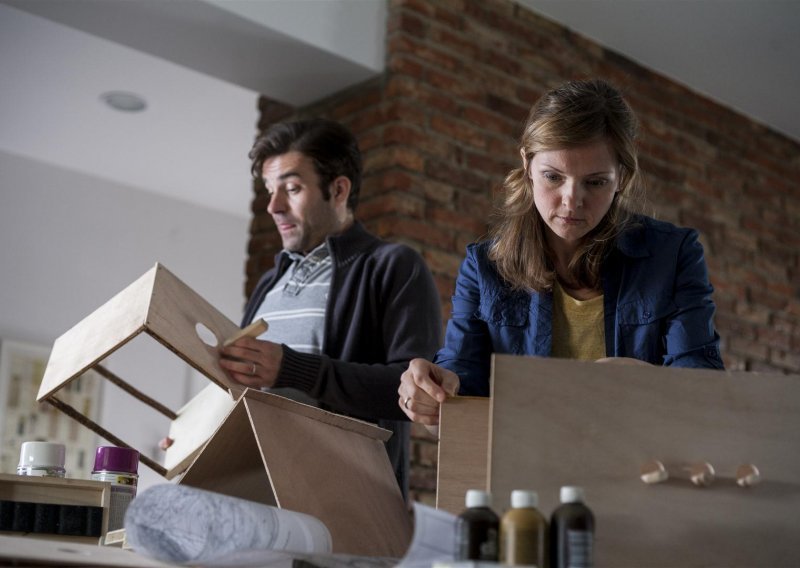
pixel 331 147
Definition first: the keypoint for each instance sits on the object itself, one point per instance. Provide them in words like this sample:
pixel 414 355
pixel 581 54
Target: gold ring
pixel 408 399
pixel 253 371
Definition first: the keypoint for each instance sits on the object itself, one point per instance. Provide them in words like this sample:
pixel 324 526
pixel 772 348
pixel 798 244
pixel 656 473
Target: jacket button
pixel 646 315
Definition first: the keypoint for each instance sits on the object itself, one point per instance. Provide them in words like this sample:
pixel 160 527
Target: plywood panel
pixel 463 450
pixel 312 461
pixel 341 476
pixel 558 422
pixel 173 314
pixel 102 332
pixel 231 462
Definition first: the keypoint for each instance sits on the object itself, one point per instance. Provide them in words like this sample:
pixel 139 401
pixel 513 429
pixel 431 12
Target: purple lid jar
pixel 113 458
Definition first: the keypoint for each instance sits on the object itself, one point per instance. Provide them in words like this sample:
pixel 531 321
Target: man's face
pixel 303 217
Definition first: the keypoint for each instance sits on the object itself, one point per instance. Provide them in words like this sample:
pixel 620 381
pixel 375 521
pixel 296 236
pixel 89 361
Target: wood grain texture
pixel 463 450
pixel 557 422
pixel 277 451
pixel 25 551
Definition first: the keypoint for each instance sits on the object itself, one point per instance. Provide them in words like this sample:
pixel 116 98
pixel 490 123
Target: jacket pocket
pixel 642 328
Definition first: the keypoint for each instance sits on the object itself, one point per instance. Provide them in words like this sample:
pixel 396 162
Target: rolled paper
pixel 175 523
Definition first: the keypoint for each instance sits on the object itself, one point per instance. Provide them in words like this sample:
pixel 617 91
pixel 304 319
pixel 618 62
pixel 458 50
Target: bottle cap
pixel 41 454
pixel 524 499
pixel 478 498
pixel 571 494
pixel 112 458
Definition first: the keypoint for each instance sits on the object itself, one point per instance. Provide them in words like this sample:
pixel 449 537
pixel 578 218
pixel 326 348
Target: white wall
pixel 69 242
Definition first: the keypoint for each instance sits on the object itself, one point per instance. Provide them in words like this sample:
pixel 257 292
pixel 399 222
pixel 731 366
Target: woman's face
pixel 573 190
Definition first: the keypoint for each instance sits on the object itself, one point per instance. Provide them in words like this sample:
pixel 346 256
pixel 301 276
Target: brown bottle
pixel 572 532
pixel 477 529
pixel 523 531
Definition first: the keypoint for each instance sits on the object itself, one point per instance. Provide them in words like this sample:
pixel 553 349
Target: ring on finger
pixel 253 370
pixel 405 403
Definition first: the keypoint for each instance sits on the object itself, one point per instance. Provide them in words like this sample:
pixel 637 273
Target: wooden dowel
pixel 99 430
pixel 253 330
pixel 135 393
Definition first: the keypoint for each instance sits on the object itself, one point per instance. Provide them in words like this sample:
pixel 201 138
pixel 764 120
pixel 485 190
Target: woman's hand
pixel 423 388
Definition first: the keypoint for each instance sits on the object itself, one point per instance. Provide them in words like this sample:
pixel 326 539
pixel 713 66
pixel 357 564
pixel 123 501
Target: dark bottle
pixel 477 529
pixel 572 532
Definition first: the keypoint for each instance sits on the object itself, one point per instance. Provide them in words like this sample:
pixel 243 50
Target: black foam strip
pixel 69 520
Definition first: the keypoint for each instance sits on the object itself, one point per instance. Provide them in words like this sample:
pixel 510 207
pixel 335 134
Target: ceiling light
pixel 125 102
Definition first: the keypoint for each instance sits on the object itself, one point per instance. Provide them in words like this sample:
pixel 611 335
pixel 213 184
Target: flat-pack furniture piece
pixel 463 461
pixel 279 452
pixel 555 422
pixel 53 508
pixel 162 306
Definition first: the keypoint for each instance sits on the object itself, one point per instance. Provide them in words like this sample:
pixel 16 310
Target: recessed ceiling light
pixel 123 101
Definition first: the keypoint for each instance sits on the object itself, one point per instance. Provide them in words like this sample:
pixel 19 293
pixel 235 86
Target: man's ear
pixel 340 189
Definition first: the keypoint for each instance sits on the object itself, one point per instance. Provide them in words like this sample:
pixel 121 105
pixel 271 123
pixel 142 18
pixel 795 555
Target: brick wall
pixel 439 132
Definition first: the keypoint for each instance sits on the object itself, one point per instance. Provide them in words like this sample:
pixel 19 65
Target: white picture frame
pixel 23 419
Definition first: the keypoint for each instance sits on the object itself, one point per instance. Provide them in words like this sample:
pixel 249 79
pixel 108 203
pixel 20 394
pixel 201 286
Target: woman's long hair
pixel 575 114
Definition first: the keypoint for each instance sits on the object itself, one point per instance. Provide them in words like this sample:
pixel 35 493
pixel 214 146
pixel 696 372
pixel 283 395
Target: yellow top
pixel 578 330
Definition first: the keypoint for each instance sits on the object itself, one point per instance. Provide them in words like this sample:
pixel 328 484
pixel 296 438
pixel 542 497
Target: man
pixel 346 311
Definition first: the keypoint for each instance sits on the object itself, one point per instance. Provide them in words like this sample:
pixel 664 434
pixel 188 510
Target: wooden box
pixel 556 422
pixel 162 306
pixel 286 454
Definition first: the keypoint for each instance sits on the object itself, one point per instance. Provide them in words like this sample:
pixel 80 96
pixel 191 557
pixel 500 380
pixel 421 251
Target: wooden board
pixel 195 424
pixel 277 451
pixel 23 551
pixel 558 422
pixel 463 450
pixel 54 490
pixel 98 335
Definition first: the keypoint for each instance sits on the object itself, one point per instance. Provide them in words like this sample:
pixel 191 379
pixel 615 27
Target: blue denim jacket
pixel 657 303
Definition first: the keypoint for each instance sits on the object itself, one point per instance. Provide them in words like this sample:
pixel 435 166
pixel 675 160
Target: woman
pixel 571 269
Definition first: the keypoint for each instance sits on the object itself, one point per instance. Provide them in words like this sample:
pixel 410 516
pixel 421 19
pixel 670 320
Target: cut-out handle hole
pixel 206 335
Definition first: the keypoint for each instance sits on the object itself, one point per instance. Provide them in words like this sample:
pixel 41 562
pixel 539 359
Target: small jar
pixel 119 466
pixel 42 459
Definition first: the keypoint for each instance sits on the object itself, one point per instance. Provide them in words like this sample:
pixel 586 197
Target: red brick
pixel 455 220
pixel 459 130
pixel 418 230
pixel 394 156
pixel 462 178
pixel 395 203
pixel 442 262
pixel 437 191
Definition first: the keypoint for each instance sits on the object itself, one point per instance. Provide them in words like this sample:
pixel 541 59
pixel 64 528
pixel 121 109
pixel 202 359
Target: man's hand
pixel 252 362
pixel 423 388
